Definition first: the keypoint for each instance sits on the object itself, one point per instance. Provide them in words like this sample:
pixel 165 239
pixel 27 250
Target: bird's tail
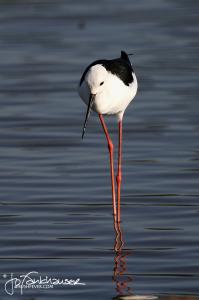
pixel 125 56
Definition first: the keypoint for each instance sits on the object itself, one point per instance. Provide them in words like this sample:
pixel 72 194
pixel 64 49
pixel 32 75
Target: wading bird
pixel 107 87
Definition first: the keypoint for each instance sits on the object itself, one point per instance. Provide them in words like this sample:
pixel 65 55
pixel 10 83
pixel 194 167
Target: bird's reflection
pixel 123 280
pixel 120 277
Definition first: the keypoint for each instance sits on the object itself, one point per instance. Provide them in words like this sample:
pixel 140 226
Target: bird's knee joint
pixel 110 146
pixel 119 178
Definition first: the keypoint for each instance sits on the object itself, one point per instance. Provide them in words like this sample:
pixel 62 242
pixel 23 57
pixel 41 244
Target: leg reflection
pixel 120 275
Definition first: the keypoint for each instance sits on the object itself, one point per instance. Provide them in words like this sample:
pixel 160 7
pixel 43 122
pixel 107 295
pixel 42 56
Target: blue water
pixel 55 195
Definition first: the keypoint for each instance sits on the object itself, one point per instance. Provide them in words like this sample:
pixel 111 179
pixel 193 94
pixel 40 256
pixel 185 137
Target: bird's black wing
pixel 121 67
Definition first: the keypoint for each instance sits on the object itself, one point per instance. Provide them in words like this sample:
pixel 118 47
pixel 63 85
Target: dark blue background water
pixel 56 214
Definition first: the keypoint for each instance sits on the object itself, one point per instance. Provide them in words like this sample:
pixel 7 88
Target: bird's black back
pixel 121 67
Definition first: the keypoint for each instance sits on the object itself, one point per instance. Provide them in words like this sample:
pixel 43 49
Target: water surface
pixel 56 214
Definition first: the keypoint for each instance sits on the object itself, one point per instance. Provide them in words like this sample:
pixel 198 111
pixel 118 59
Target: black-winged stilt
pixel 107 87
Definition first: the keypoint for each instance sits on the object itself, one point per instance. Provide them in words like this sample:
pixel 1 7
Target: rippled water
pixel 56 214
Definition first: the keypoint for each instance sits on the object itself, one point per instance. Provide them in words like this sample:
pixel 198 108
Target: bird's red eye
pixel 102 83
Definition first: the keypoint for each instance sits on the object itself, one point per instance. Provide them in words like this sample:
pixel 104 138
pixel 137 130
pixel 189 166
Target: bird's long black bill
pixel 90 104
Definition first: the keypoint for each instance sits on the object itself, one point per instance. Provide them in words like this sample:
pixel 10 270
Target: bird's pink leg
pixel 110 147
pixel 119 174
